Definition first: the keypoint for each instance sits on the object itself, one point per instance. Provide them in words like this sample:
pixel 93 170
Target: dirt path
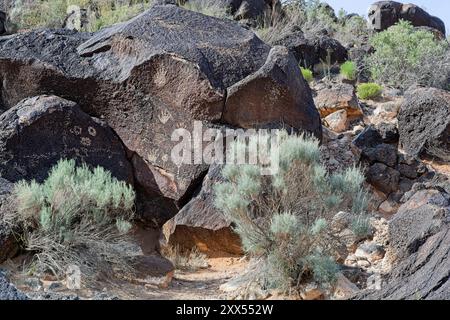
pixel 192 285
pixel 185 285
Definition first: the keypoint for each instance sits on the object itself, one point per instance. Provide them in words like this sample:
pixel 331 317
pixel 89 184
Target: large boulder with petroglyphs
pixel 157 72
pixel 39 131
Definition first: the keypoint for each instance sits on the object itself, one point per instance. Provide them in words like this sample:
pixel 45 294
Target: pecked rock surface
pixel 420 238
pixel 151 75
pixel 259 98
pixel 39 131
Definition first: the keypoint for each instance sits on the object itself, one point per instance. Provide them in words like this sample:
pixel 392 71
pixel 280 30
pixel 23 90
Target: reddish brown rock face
pixel 274 94
pixel 200 224
pixel 339 96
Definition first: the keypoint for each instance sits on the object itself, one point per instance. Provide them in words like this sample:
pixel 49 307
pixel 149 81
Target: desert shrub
pixel 405 56
pixel 368 91
pixel 361 227
pixel 312 18
pixel 306 15
pixel 77 216
pixel 27 14
pixel 216 9
pixel 284 218
pixel 36 14
pixel 351 31
pixel 108 15
pixel 191 260
pixel 271 30
pixel 307 74
pixel 348 70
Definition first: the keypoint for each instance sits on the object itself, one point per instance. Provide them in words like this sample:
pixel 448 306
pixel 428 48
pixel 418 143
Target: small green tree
pixel 284 219
pixel 75 217
pixel 405 56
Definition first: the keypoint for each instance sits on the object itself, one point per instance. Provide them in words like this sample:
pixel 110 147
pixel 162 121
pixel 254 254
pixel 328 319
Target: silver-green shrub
pixel 31 14
pixel 216 9
pixel 75 217
pixel 285 218
pixel 405 56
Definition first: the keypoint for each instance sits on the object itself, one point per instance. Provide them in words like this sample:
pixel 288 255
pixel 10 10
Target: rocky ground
pixel 201 284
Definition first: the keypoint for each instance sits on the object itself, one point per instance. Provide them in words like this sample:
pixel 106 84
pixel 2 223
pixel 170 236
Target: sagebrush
pixel 405 56
pixel 28 14
pixel 218 9
pixel 77 216
pixel 190 260
pixel 284 219
pixel 313 18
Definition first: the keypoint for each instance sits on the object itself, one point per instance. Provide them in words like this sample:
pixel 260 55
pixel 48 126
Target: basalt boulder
pixel 383 14
pixel 39 131
pixel 311 50
pixel 261 98
pixel 250 11
pixel 200 224
pixel 151 75
pixel 420 238
pixel 424 123
pixel 383 178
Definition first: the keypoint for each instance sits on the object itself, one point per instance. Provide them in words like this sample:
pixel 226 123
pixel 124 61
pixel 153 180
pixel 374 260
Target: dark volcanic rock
pixel 383 177
pixel 41 130
pixel 388 132
pixel 200 224
pixel 384 153
pixel 383 14
pixel 368 138
pixel 410 167
pixel 9 291
pixel 256 99
pixel 149 76
pixel 250 11
pixel 312 50
pixel 420 236
pixel 3 21
pixel 420 217
pixel 424 123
